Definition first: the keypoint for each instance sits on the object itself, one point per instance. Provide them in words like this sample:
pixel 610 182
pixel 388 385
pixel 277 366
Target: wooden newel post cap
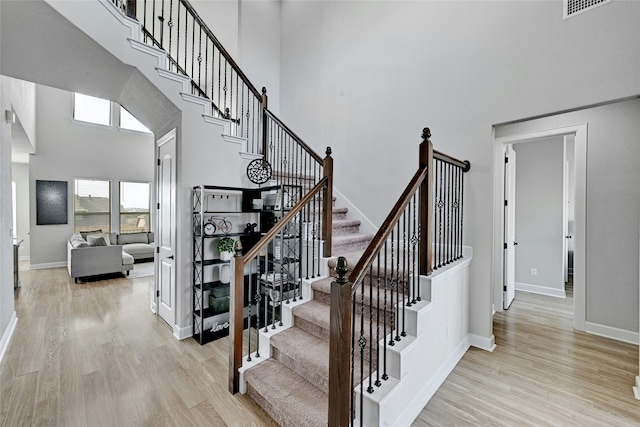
pixel 328 152
pixel 426 134
pixel 341 270
pixel 237 248
pixel 264 90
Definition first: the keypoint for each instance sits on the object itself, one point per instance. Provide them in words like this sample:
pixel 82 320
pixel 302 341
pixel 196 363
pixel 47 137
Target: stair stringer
pixel 85 14
pixel 420 363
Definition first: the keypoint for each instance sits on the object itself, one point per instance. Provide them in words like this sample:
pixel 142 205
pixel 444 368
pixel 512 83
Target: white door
pixel 509 227
pixel 166 276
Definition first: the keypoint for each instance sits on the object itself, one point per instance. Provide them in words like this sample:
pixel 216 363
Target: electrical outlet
pixel 534 271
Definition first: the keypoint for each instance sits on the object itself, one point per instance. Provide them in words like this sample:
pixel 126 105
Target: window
pixel 92 110
pixel 134 207
pixel 92 205
pixel 127 121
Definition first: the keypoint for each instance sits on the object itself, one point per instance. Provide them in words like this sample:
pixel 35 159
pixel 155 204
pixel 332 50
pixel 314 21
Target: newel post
pixel 426 205
pixel 340 348
pixel 265 103
pixel 327 203
pixel 236 318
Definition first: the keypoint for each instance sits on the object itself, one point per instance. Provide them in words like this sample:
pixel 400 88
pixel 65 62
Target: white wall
pixel 68 150
pixel 613 205
pixel 539 209
pixel 20 174
pixel 366 77
pixel 259 55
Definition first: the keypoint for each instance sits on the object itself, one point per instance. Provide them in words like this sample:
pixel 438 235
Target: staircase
pixel 292 385
pixel 290 380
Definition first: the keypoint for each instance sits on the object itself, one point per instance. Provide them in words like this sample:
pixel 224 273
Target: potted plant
pixel 225 247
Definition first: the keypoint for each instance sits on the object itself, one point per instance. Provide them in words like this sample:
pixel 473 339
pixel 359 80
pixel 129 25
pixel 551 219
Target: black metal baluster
pixel 384 319
pixel 161 19
pixel 370 388
pixel 362 343
pixel 414 242
pixel 393 286
pixel 258 298
pixel 153 22
pixel 353 355
pixel 397 337
pixel 307 226
pixel 220 109
pixel 461 213
pixel 249 320
pixel 405 267
pixel 378 383
pixel 186 39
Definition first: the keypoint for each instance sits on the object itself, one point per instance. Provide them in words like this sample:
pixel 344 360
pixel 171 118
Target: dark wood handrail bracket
pixel 464 164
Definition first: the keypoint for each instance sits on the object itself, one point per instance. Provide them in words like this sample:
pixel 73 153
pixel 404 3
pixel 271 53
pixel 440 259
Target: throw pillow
pixel 84 234
pixel 96 240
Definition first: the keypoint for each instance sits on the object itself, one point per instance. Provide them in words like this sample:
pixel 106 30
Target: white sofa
pixel 84 260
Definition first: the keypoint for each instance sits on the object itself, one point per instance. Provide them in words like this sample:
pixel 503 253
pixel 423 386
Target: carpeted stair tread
pixel 303 353
pixel 287 397
pixel 313 318
pixel 343 227
pixel 350 242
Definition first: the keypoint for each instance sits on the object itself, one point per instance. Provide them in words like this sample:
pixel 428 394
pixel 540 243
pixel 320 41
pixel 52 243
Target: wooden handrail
pixel 299 140
pixel 222 50
pixel 464 164
pixel 283 222
pixel 385 229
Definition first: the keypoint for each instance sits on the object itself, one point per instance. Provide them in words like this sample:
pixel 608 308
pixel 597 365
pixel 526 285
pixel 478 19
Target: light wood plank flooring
pixel 541 373
pixel 93 355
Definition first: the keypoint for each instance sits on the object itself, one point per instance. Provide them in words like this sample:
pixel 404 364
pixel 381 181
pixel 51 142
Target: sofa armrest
pixel 82 262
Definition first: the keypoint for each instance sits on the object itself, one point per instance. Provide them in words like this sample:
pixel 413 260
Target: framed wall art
pixel 51 202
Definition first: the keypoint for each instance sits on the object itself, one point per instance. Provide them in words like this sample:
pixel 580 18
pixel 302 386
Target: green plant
pixel 226 244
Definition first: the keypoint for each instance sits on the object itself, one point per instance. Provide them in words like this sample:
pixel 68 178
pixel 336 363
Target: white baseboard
pixel 636 388
pixel 47 265
pixel 25 258
pixel 542 290
pixel 182 333
pixel 613 333
pixel 426 393
pixel 8 333
pixel 483 343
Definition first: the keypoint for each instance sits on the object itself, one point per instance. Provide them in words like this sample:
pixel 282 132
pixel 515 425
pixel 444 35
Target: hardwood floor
pixel 92 354
pixel 541 373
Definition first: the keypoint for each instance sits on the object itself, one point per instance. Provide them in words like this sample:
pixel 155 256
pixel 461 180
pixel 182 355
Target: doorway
pixel 579 134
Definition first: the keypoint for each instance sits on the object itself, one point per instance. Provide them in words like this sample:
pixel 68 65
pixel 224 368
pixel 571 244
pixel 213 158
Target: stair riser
pixel 320 381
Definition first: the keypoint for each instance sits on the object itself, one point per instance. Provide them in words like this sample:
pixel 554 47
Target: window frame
pixel 147 227
pixel 76 197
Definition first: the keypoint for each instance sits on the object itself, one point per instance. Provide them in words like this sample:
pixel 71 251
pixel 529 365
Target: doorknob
pixel 515 243
pixel 170 257
pixel 568 237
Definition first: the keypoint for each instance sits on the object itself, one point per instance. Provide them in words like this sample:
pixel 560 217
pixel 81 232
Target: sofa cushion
pixel 139 250
pixel 79 243
pixel 124 239
pixel 98 240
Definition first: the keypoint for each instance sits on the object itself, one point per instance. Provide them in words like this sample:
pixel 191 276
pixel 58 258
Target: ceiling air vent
pixel 575 7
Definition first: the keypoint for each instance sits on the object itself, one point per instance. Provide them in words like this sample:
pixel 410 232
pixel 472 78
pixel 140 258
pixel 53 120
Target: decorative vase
pixel 226 256
pixel 225 273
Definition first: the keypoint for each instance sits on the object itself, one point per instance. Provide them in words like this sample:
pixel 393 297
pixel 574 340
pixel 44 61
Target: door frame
pixel 579 256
